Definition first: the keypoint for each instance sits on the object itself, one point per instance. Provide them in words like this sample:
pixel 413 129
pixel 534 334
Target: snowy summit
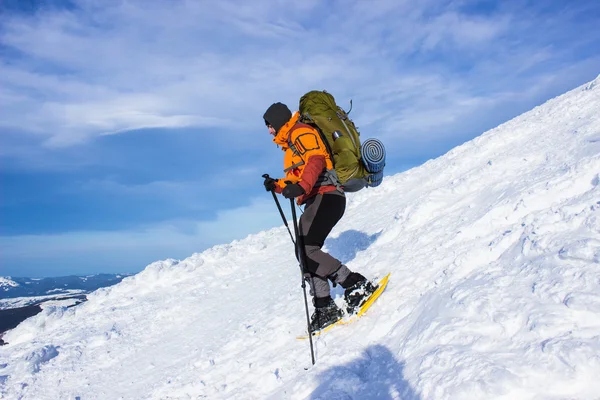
pixel 6 283
pixel 494 250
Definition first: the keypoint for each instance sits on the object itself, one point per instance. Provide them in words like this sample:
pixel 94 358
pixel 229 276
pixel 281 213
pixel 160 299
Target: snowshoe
pixel 357 294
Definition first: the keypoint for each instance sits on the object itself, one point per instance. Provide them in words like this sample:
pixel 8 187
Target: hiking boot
pixel 326 313
pixel 357 294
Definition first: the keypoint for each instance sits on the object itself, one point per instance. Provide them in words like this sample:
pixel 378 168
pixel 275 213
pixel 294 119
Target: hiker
pixel 308 178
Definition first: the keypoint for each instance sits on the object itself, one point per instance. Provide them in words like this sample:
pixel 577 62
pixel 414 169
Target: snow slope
pixel 494 250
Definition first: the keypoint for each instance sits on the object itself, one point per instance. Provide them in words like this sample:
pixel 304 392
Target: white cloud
pixel 120 66
pixel 418 72
pixel 459 31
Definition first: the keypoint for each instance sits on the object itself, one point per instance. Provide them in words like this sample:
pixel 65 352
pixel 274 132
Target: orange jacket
pixel 308 163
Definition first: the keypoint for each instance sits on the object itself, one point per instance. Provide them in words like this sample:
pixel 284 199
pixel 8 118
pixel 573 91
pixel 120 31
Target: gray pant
pixel 319 286
pixel 321 214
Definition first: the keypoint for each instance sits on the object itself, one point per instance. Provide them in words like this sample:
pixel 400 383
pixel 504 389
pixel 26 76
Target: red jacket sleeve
pixel 313 168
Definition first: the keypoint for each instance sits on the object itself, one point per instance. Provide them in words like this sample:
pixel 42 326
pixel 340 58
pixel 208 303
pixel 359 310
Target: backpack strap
pixel 289 140
pixel 327 177
pixel 292 147
pixel 310 122
pixel 321 136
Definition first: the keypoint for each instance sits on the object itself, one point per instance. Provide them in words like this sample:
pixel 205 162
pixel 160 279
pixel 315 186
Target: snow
pixel 494 250
pixel 6 282
pixel 17 302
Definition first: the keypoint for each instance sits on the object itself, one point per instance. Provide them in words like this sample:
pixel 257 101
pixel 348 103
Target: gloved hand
pixel 270 183
pixel 292 190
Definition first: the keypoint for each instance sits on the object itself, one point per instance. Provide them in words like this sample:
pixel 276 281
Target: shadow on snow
pixel 349 243
pixel 376 374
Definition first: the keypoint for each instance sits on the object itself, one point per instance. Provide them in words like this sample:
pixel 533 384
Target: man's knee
pixel 312 249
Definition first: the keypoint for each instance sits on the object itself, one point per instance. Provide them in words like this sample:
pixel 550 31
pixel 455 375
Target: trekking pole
pixel 302 259
pixel 280 210
pixel 300 253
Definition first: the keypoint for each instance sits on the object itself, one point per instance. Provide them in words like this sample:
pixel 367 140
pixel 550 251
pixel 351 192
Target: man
pixel 308 177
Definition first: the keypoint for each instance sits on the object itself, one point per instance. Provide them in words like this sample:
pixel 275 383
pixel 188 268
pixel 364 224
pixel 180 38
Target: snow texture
pixel 494 250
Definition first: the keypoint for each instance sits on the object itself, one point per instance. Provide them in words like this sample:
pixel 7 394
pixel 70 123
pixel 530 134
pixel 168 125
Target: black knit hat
pixel 277 115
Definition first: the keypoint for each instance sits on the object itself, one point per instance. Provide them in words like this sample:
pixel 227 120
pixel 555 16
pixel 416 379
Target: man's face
pixel 271 130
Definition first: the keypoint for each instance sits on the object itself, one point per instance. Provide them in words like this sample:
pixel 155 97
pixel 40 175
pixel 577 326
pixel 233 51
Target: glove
pixel 270 184
pixel 293 190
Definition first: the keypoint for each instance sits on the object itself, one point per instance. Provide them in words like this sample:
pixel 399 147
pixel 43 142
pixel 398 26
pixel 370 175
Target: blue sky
pixel 132 131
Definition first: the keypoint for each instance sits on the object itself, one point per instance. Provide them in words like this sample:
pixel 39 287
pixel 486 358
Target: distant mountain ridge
pixel 29 287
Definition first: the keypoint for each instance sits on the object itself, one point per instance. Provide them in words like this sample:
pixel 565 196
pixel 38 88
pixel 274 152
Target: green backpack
pixel 342 139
